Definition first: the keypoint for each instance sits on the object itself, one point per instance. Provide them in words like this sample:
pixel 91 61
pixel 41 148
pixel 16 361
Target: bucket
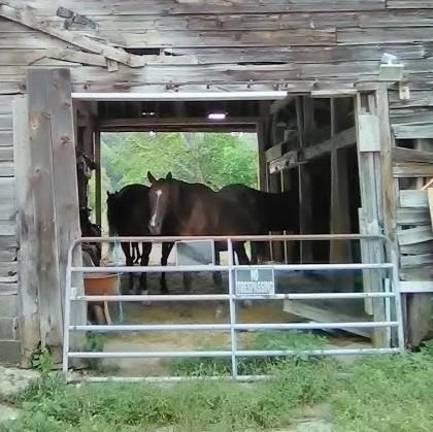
pixel 100 284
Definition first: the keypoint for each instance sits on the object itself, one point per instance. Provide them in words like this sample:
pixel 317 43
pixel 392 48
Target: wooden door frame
pixel 47 206
pixel 377 213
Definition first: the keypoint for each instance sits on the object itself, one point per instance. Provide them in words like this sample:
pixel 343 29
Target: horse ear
pixel 169 176
pixel 109 194
pixel 150 177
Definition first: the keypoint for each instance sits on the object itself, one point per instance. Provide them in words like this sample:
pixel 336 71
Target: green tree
pixel 215 159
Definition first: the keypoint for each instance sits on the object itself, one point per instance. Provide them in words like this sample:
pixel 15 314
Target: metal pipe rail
pixel 225 354
pixel 208 297
pixel 226 327
pixel 232 297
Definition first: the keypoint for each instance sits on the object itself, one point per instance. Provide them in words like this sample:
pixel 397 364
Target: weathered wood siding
pixel 9 338
pixel 221 42
pixel 297 45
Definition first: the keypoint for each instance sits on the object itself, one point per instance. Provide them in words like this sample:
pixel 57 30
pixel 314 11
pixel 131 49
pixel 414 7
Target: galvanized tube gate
pixel 232 297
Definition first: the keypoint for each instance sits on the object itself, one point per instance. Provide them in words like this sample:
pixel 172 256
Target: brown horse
pixel 193 209
pixel 274 211
pixel 128 215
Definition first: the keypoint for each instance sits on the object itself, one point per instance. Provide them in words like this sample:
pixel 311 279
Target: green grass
pixel 274 340
pixel 380 394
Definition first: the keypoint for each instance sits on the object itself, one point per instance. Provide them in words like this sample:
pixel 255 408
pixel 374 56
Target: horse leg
pixel 144 262
pixel 254 253
pixel 243 259
pixel 217 276
pixel 166 249
pixel 134 253
pixel 126 247
pixel 239 248
pixel 218 281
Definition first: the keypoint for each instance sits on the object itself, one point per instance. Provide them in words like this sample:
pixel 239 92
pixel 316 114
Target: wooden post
pixel 98 182
pixel 371 185
pixel 262 156
pixel 305 121
pixel 55 194
pixel 340 251
pixel 26 230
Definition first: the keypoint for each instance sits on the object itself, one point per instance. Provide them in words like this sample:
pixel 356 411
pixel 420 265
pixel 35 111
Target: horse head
pixel 160 197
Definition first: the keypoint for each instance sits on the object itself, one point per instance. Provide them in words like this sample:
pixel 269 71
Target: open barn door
pixel 316 146
pixel 47 203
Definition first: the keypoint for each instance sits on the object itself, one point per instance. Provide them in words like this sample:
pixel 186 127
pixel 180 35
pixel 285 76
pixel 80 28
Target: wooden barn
pixel 339 92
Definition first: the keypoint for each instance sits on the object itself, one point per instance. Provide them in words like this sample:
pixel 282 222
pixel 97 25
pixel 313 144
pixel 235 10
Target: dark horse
pixel 193 209
pixel 128 214
pixel 274 211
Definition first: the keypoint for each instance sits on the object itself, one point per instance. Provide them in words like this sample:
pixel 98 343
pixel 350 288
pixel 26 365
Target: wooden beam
pixel 41 175
pixel 274 152
pixel 261 141
pixel 75 56
pixel 370 179
pixel 413 169
pixel 413 198
pixel 286 161
pixel 415 235
pixel 407 287
pixel 293 158
pixel 98 178
pixel 53 174
pixel 401 154
pixel 340 251
pixel 26 17
pixel 305 124
pixel 340 140
pixel 416 261
pixel 246 123
pixel 59 104
pixel 27 258
pixel 413 216
pixel 413 131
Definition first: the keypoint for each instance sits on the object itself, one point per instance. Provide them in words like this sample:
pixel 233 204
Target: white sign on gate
pixel 253 281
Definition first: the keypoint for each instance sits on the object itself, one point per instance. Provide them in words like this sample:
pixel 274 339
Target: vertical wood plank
pixel 262 156
pixel 53 162
pixel 305 121
pixel 47 259
pixel 370 173
pixel 64 169
pixel 340 251
pixel 98 178
pixel 26 230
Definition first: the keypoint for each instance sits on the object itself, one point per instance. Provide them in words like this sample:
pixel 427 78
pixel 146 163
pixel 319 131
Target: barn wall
pixel 226 42
pixel 9 338
pixel 215 45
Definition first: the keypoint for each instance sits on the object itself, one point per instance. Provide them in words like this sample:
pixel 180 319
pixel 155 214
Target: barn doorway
pixel 304 144
pixel 301 142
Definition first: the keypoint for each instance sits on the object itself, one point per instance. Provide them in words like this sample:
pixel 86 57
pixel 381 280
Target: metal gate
pixel 389 292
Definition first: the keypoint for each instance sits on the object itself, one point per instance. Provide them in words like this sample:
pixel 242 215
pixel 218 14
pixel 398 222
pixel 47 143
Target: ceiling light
pixel 217 116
